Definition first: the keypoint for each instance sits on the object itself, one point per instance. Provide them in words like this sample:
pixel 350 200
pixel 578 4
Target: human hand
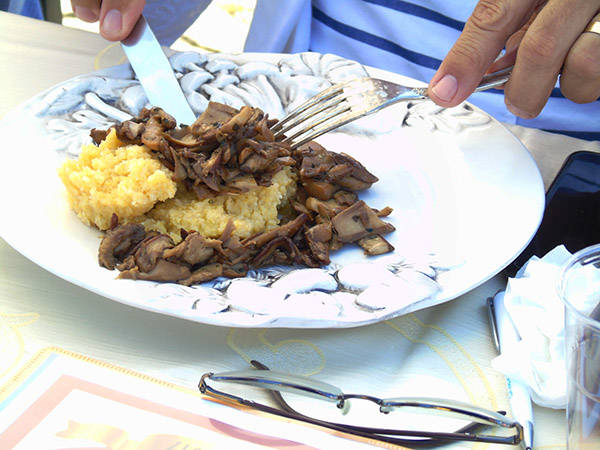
pixel 542 39
pixel 117 17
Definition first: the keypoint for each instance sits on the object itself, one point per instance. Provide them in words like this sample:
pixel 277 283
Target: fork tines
pixel 325 111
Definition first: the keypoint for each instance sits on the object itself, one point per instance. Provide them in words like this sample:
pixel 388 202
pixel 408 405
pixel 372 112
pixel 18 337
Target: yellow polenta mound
pixel 113 178
pixel 252 212
pixel 129 182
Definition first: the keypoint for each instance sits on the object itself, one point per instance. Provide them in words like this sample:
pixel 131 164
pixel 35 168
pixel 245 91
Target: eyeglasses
pixel 276 382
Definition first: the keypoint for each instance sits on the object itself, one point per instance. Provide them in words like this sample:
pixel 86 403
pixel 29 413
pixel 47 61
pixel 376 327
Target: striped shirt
pixel 407 37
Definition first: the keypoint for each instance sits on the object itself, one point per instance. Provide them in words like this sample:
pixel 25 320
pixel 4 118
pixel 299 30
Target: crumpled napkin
pixel 537 313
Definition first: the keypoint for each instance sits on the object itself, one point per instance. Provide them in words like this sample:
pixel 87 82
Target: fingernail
pixel 112 23
pixel 517 111
pixel 446 88
pixel 85 13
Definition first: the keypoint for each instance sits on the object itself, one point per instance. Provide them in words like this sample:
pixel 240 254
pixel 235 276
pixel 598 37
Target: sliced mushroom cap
pixel 316 161
pixel 243 183
pixel 118 242
pixel 162 271
pixel 386 211
pixel 203 274
pixel 327 209
pixel 98 135
pixel 152 136
pixel 359 171
pixel 287 230
pixel 151 250
pixel 192 250
pixel 318 238
pixel 241 118
pixel 358 221
pixel 215 113
pixel 375 245
pixel 323 190
pixel 345 198
pixel 130 132
pixel 282 248
pixel 235 270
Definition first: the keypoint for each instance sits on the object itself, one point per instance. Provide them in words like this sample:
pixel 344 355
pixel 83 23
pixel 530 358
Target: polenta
pixel 126 180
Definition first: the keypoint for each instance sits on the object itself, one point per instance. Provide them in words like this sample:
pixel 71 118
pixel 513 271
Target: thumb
pixel 117 18
pixel 481 41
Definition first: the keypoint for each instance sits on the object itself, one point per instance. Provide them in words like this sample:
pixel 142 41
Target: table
pixel 38 309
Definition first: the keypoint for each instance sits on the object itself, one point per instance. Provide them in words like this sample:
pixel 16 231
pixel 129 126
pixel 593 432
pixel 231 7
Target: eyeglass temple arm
pixel 431 438
pixel 368 432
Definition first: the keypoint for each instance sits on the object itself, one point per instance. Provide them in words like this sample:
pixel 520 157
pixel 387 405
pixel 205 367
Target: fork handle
pixel 495 79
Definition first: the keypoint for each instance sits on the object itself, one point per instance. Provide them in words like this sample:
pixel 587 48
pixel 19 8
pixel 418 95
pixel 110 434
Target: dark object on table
pixel 572 215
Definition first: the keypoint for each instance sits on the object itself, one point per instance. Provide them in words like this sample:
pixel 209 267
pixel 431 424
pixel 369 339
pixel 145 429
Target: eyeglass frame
pixel 429 438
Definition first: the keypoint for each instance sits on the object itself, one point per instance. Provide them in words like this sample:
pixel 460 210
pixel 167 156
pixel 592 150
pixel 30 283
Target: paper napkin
pixel 537 312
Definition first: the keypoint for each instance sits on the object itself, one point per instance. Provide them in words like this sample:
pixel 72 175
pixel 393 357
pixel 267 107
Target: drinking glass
pixel 579 290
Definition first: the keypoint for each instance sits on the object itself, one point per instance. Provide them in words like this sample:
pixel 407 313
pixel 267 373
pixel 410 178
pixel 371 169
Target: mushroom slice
pixel 118 243
pixel 322 190
pixel 243 117
pixel 318 238
pixel 204 273
pixel 235 270
pixel 358 221
pixel 242 183
pixel 130 131
pixel 188 140
pixel 383 212
pixel 152 136
pixel 151 250
pixel 288 252
pixel 375 245
pixel 287 230
pixel 98 135
pixel 162 271
pixel 326 209
pixel 345 198
pixel 358 178
pixel 213 114
pixel 193 250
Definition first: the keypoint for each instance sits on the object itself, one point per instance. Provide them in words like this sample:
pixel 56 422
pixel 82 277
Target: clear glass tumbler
pixel 579 289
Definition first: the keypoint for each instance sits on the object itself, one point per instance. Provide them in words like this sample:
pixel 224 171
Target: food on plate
pixel 218 197
pixel 113 178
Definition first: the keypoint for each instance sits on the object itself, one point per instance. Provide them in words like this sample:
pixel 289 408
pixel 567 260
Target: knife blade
pixel 155 73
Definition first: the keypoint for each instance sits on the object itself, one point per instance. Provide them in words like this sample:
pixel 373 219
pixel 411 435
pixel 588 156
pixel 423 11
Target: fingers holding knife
pixel 117 17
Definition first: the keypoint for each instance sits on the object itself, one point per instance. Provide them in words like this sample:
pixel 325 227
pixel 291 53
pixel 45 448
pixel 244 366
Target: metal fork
pixel 345 102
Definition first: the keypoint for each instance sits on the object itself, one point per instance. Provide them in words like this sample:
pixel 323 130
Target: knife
pixel 155 73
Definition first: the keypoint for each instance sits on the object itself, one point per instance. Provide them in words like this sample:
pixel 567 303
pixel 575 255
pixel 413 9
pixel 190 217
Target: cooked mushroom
pixel 358 221
pixel 151 250
pixel 162 271
pixel 318 238
pixel 194 249
pixel 130 131
pixel 118 242
pixel 323 190
pixel 287 230
pixel 232 151
pixel 98 135
pixel 215 113
pixel 358 178
pixel 203 274
pixel 375 245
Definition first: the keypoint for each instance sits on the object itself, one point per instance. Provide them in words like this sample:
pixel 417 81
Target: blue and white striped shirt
pixel 406 37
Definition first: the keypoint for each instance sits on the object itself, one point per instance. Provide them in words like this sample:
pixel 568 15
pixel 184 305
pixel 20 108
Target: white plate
pixel 467 196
